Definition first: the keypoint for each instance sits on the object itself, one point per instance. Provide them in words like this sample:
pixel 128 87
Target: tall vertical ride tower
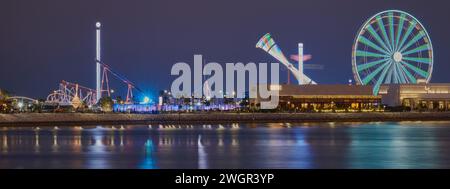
pixel 300 64
pixel 98 61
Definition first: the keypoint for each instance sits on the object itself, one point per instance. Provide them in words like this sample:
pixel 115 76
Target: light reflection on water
pixel 288 145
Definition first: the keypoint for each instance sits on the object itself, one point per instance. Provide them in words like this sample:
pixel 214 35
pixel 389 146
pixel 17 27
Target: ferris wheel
pixel 392 47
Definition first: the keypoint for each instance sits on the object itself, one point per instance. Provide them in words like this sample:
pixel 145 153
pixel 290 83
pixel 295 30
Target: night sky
pixel 43 42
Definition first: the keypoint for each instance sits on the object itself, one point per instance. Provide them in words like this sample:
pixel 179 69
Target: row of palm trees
pixel 8 105
pixel 4 104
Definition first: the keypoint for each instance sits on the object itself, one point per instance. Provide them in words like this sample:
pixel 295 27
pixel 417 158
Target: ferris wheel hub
pixel 398 57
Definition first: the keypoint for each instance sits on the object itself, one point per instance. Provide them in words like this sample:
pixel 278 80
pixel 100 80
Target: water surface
pixel 288 145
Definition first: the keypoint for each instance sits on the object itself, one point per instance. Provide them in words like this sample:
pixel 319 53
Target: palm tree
pixel 4 104
pixel 119 100
pixel 106 103
pixel 4 94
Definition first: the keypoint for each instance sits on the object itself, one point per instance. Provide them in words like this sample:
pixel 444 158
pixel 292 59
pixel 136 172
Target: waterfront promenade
pixel 76 119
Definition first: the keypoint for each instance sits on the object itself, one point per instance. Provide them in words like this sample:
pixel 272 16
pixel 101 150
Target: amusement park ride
pixel 392 47
pixel 73 94
pixel 267 44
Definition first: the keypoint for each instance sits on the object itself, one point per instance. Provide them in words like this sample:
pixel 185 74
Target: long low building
pixel 326 98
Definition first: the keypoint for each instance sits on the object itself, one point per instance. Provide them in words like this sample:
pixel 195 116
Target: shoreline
pixel 84 119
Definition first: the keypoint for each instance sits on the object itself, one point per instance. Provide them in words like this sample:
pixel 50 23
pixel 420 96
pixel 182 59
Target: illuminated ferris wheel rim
pixel 407 18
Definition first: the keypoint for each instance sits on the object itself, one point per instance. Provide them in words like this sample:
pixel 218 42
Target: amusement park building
pixel 426 97
pixel 326 98
pixel 414 97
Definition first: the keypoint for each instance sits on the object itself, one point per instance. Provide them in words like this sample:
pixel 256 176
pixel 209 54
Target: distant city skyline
pixel 42 43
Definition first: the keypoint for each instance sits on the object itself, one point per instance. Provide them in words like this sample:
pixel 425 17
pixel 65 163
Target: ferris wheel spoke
pixel 391 29
pixel 377 37
pixel 401 73
pixel 370 64
pixel 389 75
pixel 383 32
pixel 380 80
pixel 416 69
pixel 412 79
pixel 370 54
pixel 365 41
pixel 396 75
pixel 399 30
pixel 374 73
pixel 408 32
pixel 382 77
pixel 414 40
pixel 407 79
pixel 417 49
pixel 420 60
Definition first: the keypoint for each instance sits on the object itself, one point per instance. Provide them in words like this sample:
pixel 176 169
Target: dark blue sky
pixel 45 41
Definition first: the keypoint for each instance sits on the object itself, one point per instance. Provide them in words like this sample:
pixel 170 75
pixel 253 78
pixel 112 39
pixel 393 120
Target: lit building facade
pixel 417 97
pixel 326 98
pixel 359 98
